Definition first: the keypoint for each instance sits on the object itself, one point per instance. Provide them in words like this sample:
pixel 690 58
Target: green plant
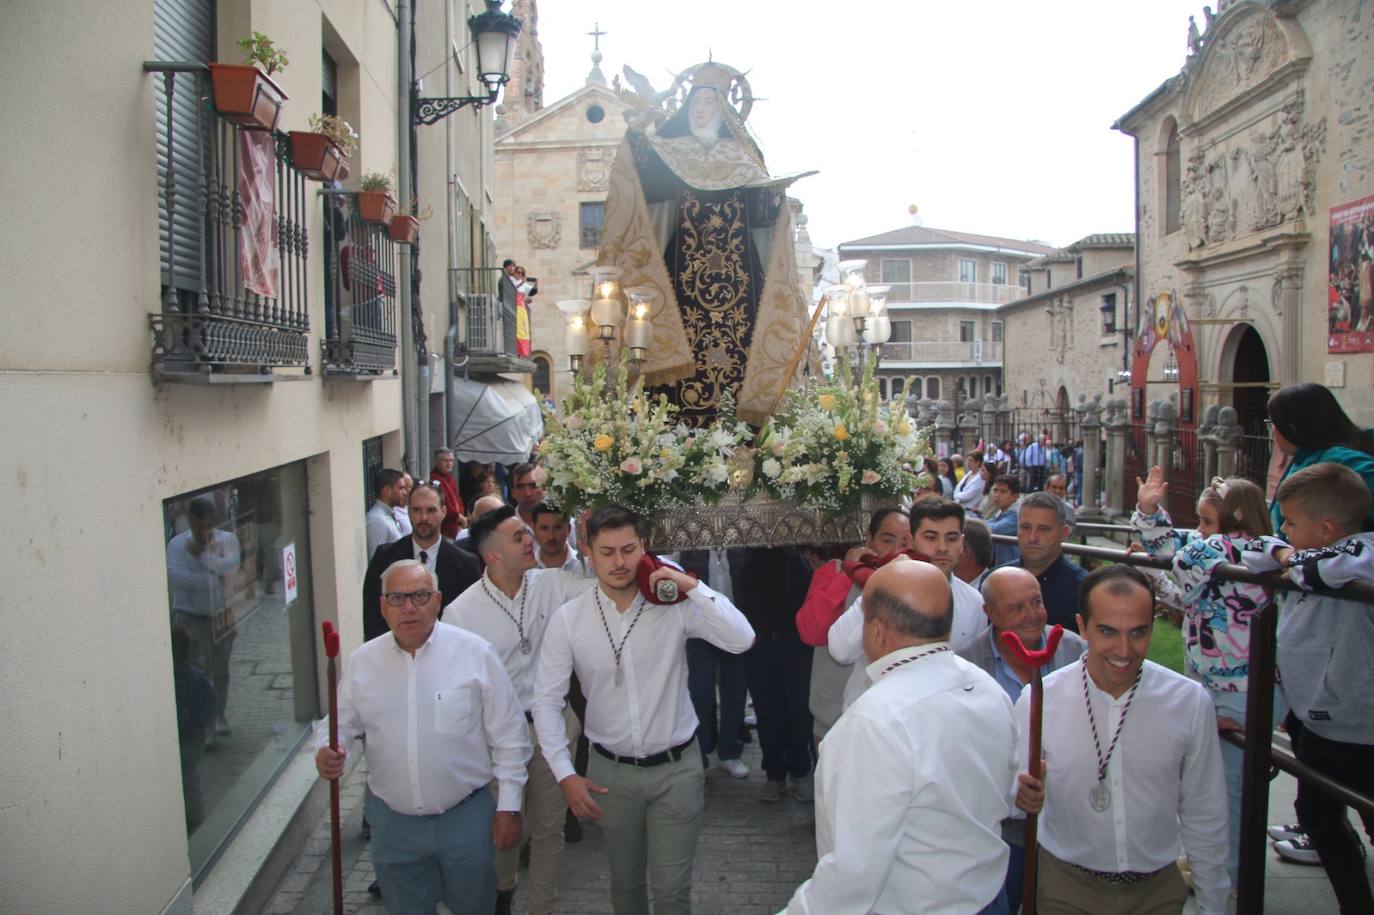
pixel 258 49
pixel 375 182
pixel 336 129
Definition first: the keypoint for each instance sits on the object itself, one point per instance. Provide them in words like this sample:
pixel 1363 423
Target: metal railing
pixel 1257 741
pixel 209 320
pixel 973 352
pixel 945 291
pixel 360 292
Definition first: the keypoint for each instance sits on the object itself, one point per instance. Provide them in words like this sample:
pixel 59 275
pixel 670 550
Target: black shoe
pixel 374 890
pixel 504 898
pixel 572 829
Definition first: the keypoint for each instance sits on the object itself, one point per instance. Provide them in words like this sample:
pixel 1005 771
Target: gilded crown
pixel 711 76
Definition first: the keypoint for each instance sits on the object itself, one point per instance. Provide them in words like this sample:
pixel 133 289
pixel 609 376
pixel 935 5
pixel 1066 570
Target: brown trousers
pixel 1066 890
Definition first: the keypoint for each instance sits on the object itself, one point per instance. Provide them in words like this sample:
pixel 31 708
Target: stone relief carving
pixel 545 228
pixel 1267 179
pixel 1238 60
pixel 594 168
pixel 1060 316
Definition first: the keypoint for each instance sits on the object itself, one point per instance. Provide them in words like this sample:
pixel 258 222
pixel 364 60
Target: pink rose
pixel 870 477
pixel 631 466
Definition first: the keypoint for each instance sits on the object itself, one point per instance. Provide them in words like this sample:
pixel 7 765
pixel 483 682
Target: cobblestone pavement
pixel 750 858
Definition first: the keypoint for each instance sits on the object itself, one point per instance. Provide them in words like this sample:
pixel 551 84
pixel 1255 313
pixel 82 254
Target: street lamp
pixel 611 313
pixel 575 333
pixel 494 33
pixel 857 314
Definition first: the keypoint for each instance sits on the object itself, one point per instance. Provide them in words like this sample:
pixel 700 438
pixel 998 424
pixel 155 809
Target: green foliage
pixel 1166 645
pixel 258 49
pixel 376 182
pixel 337 129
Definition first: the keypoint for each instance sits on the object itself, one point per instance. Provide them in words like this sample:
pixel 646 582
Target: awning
pixel 495 422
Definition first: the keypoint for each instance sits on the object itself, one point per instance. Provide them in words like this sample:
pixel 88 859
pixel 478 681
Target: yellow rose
pixel 904 428
pixel 603 442
pixel 827 401
pixel 841 432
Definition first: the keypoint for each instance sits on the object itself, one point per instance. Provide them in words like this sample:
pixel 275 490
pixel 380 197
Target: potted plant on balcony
pixel 406 226
pixel 322 152
pixel 375 203
pixel 244 93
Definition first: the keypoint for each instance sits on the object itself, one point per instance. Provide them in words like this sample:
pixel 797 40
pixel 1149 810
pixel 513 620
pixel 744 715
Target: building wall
pixel 543 175
pixel 92 446
pixel 1270 273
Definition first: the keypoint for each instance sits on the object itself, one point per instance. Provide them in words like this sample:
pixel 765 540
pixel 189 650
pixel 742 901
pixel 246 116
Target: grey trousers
pixel 652 817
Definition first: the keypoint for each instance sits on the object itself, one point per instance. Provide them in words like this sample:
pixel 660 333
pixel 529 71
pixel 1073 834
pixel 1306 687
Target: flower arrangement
pixel 336 129
pixel 831 443
pixel 828 446
pixel 619 446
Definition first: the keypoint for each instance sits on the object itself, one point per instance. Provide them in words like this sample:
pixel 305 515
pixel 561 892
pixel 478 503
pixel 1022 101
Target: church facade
pixel 1255 185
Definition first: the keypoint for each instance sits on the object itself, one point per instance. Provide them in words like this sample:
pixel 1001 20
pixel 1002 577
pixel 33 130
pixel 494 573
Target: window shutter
pixel 183 30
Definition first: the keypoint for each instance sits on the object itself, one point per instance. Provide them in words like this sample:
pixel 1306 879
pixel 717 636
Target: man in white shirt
pixel 937 532
pixel 442 721
pixel 510 606
pixel 915 778
pixel 551 532
pixel 968 492
pixel 645 782
pixel 1132 766
pixel 203 565
pixel 381 517
pixel 402 511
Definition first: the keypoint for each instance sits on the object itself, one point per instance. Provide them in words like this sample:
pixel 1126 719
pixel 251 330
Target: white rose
pixel 772 468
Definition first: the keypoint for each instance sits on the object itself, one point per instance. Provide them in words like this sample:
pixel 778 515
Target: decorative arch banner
pixel 1350 279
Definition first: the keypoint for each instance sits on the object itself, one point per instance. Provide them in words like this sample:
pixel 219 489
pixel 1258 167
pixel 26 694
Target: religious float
pixel 698 399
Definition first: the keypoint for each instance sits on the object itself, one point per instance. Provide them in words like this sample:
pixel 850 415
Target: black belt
pixel 1119 878
pixel 672 754
pixel 529 716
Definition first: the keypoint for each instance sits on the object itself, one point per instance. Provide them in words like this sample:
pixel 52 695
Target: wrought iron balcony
pixel 360 292
pixel 942 353
pixel 232 240
pixel 488 324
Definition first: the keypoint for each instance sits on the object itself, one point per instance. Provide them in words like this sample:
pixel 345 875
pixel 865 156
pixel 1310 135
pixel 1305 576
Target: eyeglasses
pixel 399 598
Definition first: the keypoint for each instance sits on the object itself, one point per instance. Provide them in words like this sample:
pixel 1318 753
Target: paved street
pixel 750 859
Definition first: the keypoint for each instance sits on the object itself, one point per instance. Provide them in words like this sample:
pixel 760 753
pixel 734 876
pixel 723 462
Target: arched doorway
pixel 1250 374
pixel 1062 414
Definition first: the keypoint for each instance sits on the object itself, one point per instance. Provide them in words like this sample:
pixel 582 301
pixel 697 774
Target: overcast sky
pixel 991 117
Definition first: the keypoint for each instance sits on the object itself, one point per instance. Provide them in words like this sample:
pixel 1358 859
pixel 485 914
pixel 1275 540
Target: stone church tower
pixel 524 94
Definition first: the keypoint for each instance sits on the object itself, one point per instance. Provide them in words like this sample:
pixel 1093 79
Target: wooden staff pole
pixel 796 357
pixel 331 651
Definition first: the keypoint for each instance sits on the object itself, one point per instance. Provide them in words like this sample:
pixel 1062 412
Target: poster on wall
pixel 1350 286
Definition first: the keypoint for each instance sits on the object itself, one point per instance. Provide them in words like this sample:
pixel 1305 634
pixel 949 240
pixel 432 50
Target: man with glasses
pixel 1012 601
pixel 456 569
pixel 442 722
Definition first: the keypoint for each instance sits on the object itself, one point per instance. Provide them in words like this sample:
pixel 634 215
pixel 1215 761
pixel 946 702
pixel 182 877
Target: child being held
pixel 1324 649
pixel 1217 612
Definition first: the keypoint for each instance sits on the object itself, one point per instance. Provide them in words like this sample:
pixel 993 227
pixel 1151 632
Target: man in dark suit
pixel 456 569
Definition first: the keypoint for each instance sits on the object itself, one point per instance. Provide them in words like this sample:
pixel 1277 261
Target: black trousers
pixel 780 681
pixel 1323 817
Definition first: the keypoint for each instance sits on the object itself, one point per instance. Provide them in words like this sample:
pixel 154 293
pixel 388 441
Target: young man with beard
pixel 645 782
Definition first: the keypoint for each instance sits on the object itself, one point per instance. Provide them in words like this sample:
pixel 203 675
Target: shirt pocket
pixel 455 709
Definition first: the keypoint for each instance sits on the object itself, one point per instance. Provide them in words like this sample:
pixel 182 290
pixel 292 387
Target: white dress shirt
pixel 543 591
pixel 969 493
pixel 431 553
pixel 1165 778
pixel 846 636
pixel 198 581
pixel 651 711
pixel 439 725
pixel 911 790
pixel 381 527
pixel 402 516
pixel 572 562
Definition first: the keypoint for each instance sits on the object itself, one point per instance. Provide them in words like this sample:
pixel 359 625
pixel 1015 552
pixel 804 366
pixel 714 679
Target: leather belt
pixel 672 754
pixel 1119 878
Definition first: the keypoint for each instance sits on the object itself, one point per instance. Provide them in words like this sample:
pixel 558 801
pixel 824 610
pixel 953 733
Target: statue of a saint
pixel 693 213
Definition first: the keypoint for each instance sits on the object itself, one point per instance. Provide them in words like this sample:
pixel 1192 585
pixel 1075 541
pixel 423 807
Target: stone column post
pixel 944 428
pixel 968 426
pixel 1117 425
pixel 1091 426
pixel 1206 434
pixel 1164 430
pixel 988 418
pixel 1228 436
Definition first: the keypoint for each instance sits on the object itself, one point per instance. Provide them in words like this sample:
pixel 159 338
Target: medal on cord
pixel 525 646
pixel 1100 797
pixel 617 650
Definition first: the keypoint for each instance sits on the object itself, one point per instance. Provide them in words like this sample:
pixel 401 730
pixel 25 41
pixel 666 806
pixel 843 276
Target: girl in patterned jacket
pixel 1217 613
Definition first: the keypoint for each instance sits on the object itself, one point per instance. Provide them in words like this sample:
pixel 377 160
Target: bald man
pixel 914 779
pixel 482 506
pixel 1012 601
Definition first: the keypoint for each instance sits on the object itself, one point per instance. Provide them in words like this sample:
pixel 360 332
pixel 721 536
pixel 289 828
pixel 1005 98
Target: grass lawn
pixel 1166 645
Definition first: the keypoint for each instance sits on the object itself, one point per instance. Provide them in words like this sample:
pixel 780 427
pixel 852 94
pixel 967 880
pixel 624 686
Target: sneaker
pixel 1298 850
pixel 735 768
pixel 773 791
pixel 803 789
pixel 1280 831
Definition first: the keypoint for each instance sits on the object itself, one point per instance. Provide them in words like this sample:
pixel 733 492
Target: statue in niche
pixel 1218 203
pixel 1289 165
pixel 1194 193
pixel 1265 178
pixel 692 213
